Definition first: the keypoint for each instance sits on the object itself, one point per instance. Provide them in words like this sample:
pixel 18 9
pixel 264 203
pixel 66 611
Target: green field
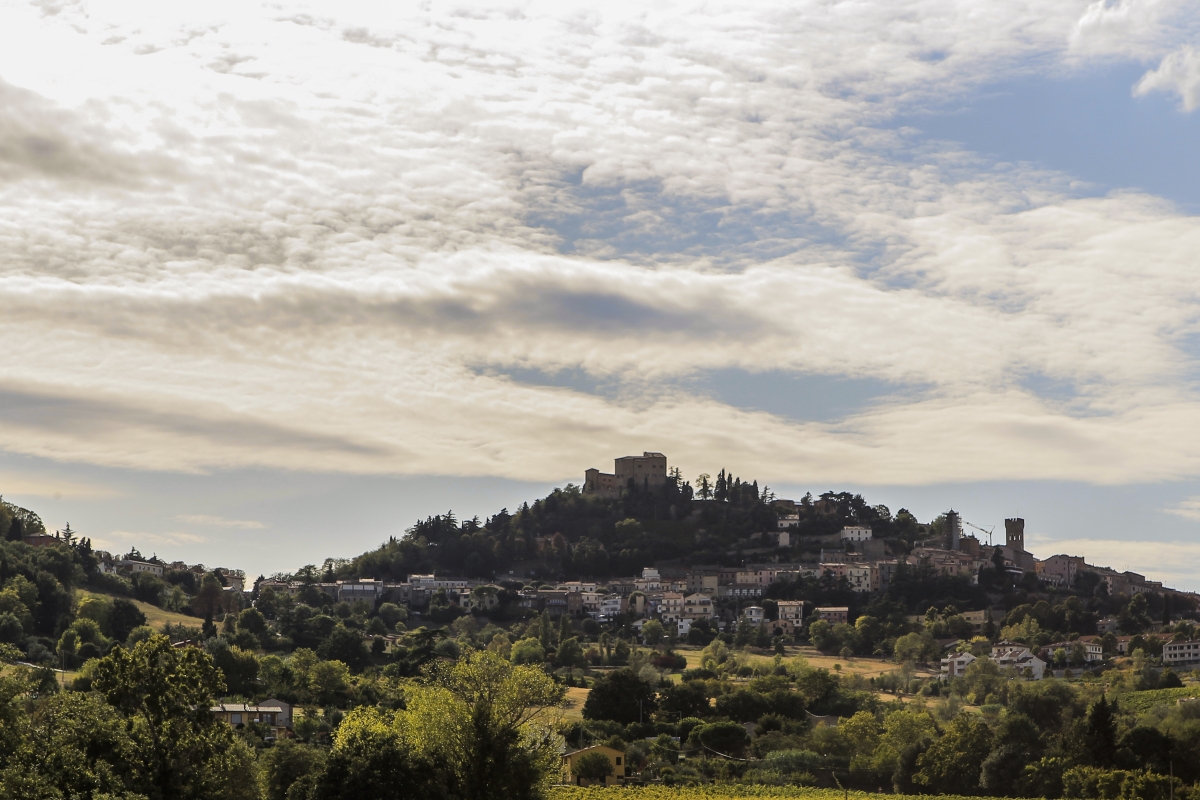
pixel 155 617
pixel 1141 702
pixel 722 791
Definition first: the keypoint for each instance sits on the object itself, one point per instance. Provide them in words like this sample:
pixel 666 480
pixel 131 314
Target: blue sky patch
pixel 1088 125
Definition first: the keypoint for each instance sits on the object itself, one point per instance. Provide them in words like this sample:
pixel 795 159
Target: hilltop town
pixel 793 567
pixel 649 608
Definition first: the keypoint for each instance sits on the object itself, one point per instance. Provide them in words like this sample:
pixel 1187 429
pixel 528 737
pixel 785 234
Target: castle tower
pixel 1014 534
pixel 953 530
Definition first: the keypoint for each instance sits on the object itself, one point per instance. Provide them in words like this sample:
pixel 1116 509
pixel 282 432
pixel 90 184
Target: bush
pixel 720 738
pixel 11 631
pixel 593 767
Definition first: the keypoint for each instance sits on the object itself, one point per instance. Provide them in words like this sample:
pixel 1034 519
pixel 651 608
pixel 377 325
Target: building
pixel 239 714
pixel 367 590
pixel 861 578
pixel 130 567
pixel 1014 545
pixel 780 627
pixel 792 611
pixel 855 533
pixel 670 607
pixel 1018 657
pixel 646 471
pixel 705 581
pixel 40 540
pixel 953 530
pixel 834 614
pixel 615 757
pixel 788 521
pixel 649 582
pixel 1060 570
pixel 979 619
pixel 284 719
pixel 1179 653
pixel 697 606
pixel 955 666
pixel 612 606
pixel 754 615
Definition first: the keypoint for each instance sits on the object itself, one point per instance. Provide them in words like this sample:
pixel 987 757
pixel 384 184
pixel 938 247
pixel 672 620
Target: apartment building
pixel 1180 653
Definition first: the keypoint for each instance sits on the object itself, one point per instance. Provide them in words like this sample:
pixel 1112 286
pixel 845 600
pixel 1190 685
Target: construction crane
pixel 988 531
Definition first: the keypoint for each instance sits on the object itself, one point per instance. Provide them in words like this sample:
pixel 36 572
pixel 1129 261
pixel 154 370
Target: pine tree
pixel 1101 734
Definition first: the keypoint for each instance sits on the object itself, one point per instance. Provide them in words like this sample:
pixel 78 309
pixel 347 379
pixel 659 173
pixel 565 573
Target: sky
pixel 278 279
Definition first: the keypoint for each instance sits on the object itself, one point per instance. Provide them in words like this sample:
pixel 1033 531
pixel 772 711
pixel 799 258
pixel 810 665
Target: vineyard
pixel 719 792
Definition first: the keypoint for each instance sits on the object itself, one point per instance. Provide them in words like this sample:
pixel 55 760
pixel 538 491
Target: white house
pixel 855 533
pixel 956 665
pixel 1017 657
pixel 754 615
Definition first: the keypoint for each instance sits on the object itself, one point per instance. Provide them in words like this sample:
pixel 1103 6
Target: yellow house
pixel 616 757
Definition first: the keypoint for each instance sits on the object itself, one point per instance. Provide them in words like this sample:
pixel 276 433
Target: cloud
pixel 139 539
pixel 1126 27
pixel 1188 509
pixel 53 486
pixel 1178 73
pixel 325 242
pixel 220 522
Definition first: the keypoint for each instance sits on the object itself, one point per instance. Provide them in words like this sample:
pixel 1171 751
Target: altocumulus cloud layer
pixel 337 236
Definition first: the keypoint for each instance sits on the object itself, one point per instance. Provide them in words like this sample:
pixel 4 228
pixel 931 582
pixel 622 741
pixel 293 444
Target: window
pixel 618 761
pixel 235 719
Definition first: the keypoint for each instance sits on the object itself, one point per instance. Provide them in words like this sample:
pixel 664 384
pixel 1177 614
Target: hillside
pixel 569 534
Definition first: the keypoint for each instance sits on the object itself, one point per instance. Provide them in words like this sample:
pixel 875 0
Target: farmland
pixel 717 792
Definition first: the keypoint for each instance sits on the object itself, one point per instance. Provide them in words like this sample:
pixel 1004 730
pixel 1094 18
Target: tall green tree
pixel 952 764
pixel 485 719
pixel 177 749
pixel 620 696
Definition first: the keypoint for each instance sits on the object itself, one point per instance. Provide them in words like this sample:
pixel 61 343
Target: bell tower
pixel 1014 534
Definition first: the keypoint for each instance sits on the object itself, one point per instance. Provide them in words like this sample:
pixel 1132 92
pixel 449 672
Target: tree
pixel 704 486
pixel 484 718
pixel 285 764
pixel 373 757
pixel 239 667
pixel 744 705
pixel 620 696
pixel 328 682
pixel 74 747
pixel 652 633
pixel 345 645
pixel 682 700
pixel 178 749
pixel 207 601
pixel 570 654
pixel 952 763
pixel 252 620
pixel 719 738
pixel 528 651
pixel 1100 737
pixel 391 614
pixel 593 767
pixel 123 618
